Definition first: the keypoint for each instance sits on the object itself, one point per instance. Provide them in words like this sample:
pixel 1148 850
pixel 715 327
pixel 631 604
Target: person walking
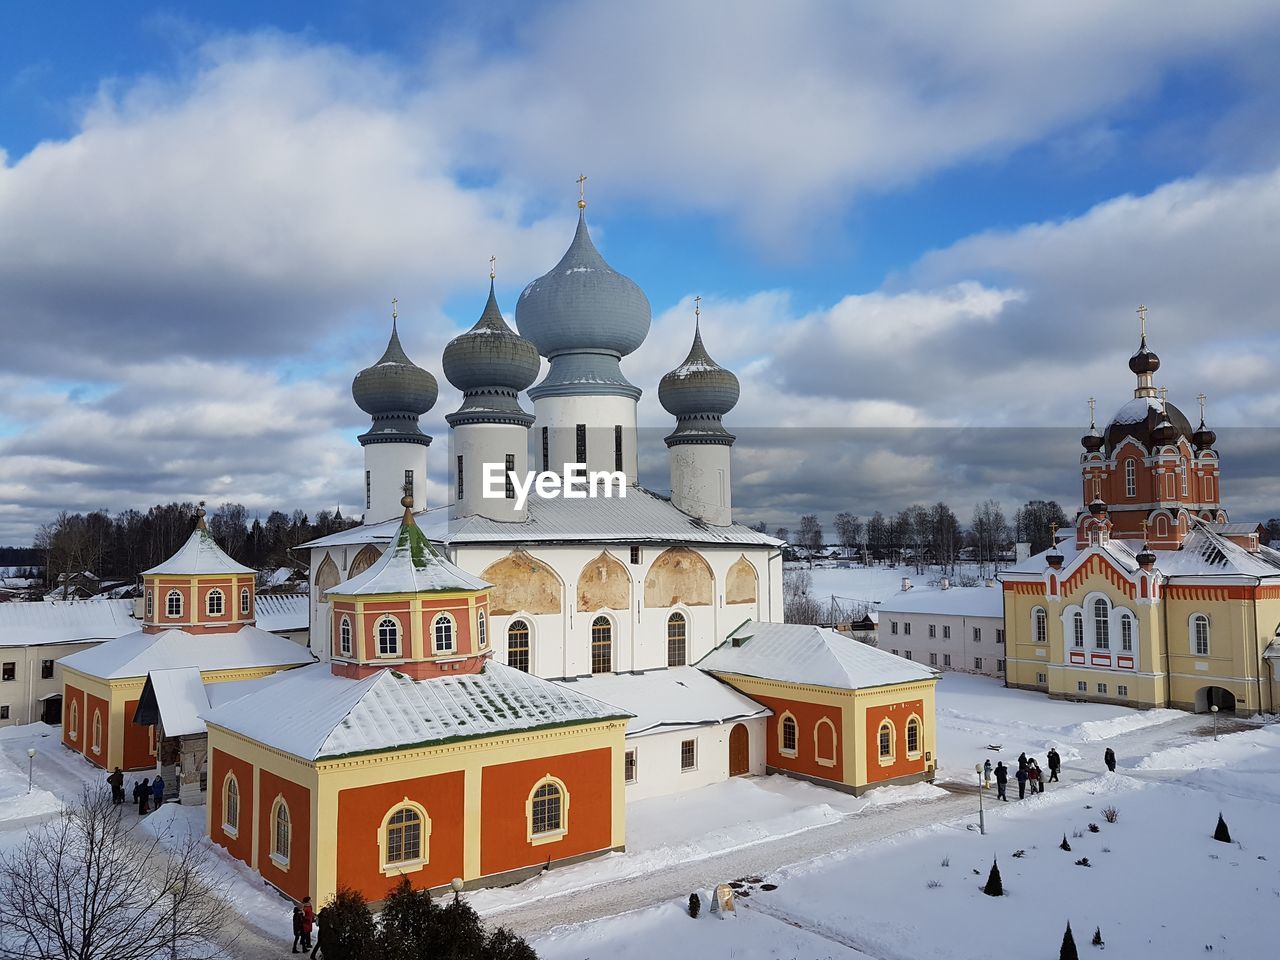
pixel 321 924
pixel 116 779
pixel 144 796
pixel 157 791
pixel 1033 776
pixel 308 922
pixel 986 774
pixel 1110 759
pixel 1002 781
pixel 297 926
pixel 1055 764
pixel 1022 782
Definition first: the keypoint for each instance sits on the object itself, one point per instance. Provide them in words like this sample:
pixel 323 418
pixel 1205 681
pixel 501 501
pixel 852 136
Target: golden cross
pixel 1202 398
pixel 582 192
pixel 697 310
pixel 1164 394
pixel 1053 531
pixel 1093 405
pixel 493 270
pixel 1142 318
pixel 394 301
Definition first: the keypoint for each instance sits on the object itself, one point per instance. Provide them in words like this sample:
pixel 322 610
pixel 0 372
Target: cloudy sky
pixel 920 231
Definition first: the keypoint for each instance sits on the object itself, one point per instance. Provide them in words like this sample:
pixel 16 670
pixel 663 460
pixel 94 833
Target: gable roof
pixel 670 699
pixel 315 715
pixel 64 621
pixel 282 612
pixel 137 654
pixel 411 565
pixel 175 698
pixel 200 554
pixel 816 656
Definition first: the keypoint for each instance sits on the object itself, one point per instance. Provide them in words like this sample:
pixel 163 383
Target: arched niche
pixel 522 584
pixel 679 575
pixel 604 584
pixel 365 559
pixel 326 577
pixel 741 583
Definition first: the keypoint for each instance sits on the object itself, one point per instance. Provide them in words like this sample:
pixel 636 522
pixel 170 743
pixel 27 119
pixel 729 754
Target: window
pixel 280 834
pixel 1130 478
pixel 977 634
pixel 1042 678
pixel 913 737
pixel 946 659
pixel 46 669
pixel 458 493
pixel 946 632
pixel 388 637
pixel 1039 625
pixel 408 483
pixel 546 451
pixel 999 666
pixel 676 653
pixel 73 725
pixel 1122 690
pixel 1199 635
pixel 885 742
pixel 999 634
pixel 518 645
pixel 96 742
pixel 443 629
pixel 933 659
pixel 629 767
pixel 1126 633
pixel 601 645
pixel 933 630
pixel 213 603
pixel 906 628
pixel 1101 625
pixel 1077 629
pixel 404 835
pixel 244 601
pixel 509 468
pixel 635 554
pixel 581 445
pixel 547 808
pixel 1182 469
pixel 906 654
pixel 1102 688
pixel 977 663
pixel 4 711
pixel 617 447
pixel 368 490
pixel 788 735
pixel 231 805
pixel 688 755
pixel 173 604
pixel 344 636
pixel 9 671
pixel 151 604
pixel 895 652
pixel 1082 687
pixel 482 629
pixel 893 627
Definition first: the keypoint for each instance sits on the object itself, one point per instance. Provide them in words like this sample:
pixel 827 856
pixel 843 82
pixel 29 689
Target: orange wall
pixel 137 741
pixel 297 879
pixel 807 716
pixel 241 845
pixel 91 704
pixel 361 811
pixel 72 695
pixel 897 714
pixel 588 776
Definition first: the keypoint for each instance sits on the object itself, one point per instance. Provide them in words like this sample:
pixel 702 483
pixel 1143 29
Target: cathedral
pixel 1155 599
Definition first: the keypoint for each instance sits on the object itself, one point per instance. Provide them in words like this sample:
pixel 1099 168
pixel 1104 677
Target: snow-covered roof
pixel 674 698
pixel 315 715
pixel 179 698
pixel 816 656
pixel 137 654
pixel 411 565
pixel 956 602
pixel 64 621
pixel 282 612
pixel 200 554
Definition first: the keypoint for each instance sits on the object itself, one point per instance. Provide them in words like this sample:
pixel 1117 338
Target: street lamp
pixel 1214 710
pixel 31 762
pixel 982 821
pixel 456 886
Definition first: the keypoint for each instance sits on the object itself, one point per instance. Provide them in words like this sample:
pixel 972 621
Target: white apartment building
pixel 950 628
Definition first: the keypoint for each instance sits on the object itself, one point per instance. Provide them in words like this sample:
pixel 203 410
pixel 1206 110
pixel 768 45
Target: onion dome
pixel 395 392
pixel 490 364
pixel 1145 360
pixel 583 316
pixel 1093 440
pixel 698 393
pixel 1164 432
pixel 1141 418
pixel 1146 556
pixel 1097 507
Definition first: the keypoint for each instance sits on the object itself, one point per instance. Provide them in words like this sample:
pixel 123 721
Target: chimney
pixel 906 584
pixel 990 582
pixel 946 583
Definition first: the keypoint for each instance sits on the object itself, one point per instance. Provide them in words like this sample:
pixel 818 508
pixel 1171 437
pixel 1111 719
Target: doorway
pixel 739 751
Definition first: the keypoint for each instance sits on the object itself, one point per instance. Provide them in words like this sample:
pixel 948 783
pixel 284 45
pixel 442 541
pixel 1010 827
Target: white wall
pixel 479 444
pixel 961 646
pixel 701 481
pixel 22 694
pixel 658 770
pixel 386 464
pixel 561 415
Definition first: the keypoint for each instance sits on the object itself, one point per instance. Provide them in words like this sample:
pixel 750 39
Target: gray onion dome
pixel 395 392
pixel 490 364
pixel 698 393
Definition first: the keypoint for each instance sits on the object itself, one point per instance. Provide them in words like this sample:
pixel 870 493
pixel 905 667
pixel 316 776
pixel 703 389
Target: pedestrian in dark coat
pixel 298 919
pixel 117 786
pixel 1022 761
pixel 157 791
pixel 1035 777
pixel 1055 764
pixel 308 921
pixel 1022 782
pixel 144 796
pixel 321 925
pixel 1002 780
pixel 1110 759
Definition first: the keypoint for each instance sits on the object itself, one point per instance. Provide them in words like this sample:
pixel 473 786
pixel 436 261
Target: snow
pixel 955 601
pixel 64 621
pixel 180 699
pixel 16 802
pixel 199 555
pixel 665 699
pixel 138 653
pixel 412 565
pixel 1136 410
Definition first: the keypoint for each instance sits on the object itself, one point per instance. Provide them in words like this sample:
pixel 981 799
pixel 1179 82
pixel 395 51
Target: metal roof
pixel 200 554
pixel 64 621
pixel 137 654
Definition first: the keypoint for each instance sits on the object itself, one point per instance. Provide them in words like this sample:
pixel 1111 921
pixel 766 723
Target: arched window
pixel 231 805
pixel 244 601
pixel 676 655
pixel 173 604
pixel 548 810
pixel 388 637
pixel 344 636
pixel 482 629
pixel 1200 635
pixel 1126 633
pixel 1131 477
pixel 913 737
pixel 518 645
pixel 151 604
pixel 213 603
pixel 1039 625
pixel 601 645
pixel 788 735
pixel 281 832
pixel 73 726
pixel 824 742
pixel 96 743
pixel 1101 624
pixel 442 627
pixel 404 837
pixel 1077 629
pixel 885 743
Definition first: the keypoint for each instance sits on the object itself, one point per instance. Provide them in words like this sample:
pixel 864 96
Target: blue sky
pixel 208 208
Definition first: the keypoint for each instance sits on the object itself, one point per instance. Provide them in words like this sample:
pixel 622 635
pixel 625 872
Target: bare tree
pixel 798 603
pixel 990 535
pixel 89 885
pixel 810 535
pixel 849 530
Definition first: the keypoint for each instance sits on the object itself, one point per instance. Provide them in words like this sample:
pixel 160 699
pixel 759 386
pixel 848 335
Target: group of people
pixel 304 922
pixel 1029 773
pixel 145 791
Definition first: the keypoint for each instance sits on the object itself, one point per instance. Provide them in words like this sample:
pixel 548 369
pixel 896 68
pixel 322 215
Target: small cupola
pixel 395 392
pixel 1203 438
pixel 490 364
pixel 698 393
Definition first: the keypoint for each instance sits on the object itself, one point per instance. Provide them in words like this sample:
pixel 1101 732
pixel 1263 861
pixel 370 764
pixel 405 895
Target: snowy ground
pixel 873 584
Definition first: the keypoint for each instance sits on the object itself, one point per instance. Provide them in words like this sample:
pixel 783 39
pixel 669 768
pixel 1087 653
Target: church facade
pixel 1157 600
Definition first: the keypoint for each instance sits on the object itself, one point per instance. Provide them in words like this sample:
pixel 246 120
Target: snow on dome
pixel 410 565
pixel 199 555
pixel 490 364
pixel 395 392
pixel 698 385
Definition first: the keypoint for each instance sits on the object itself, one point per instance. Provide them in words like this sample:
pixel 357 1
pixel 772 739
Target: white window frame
pixel 887 759
pixel 933 659
pixel 528 639
pixel 230 825
pixel 444 620
pixel 1126 632
pixel 216 592
pixel 1122 690
pixel 783 749
pixel 630 759
pixel 547 836
pixel 933 630
pixel 482 630
pixel 346 641
pixel 1077 630
pixel 281 860
pixel 1193 624
pixel 893 627
pixel 245 601
pixel 1101 623
pixel 151 603
pixel 946 631
pixel 1039 625
pixel 169 605
pixel 95 741
pixel 1082 686
pixel 413 864
pixel 1131 477
pixel 377 637
pixel 1102 689
pixel 693 745
pixel 946 659
pixel 915 720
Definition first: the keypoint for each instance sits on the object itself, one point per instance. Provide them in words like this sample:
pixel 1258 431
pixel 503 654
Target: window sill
pixel 888 761
pixel 230 831
pixel 409 866
pixel 550 837
pixel 281 863
pixel 825 763
pixel 913 756
pixel 789 754
pixel 688 769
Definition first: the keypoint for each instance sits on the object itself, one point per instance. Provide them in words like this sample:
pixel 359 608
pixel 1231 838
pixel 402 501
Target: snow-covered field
pixel 874 584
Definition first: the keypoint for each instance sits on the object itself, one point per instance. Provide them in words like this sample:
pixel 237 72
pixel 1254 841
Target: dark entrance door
pixel 51 710
pixel 739 751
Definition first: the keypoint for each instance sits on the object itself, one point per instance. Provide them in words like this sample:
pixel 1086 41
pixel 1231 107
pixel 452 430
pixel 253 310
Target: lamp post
pixel 31 762
pixel 982 821
pixel 1214 710
pixel 456 886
